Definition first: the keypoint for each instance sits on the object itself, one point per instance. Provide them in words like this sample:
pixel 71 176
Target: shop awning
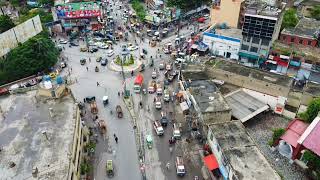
pixel 249 56
pixel 211 162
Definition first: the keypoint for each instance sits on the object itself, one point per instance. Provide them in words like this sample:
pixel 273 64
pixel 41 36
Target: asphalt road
pixel 124 153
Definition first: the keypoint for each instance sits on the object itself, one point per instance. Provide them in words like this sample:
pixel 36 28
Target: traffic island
pixel 129 66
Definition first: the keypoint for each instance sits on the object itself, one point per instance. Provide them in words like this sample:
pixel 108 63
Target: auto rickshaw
pixel 89 99
pixel 96 69
pixel 93 107
pixel 149 141
pixel 142 66
pixel 82 61
pixel 105 100
pixel 110 169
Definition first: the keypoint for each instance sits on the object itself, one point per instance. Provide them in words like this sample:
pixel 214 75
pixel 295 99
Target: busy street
pixel 155 156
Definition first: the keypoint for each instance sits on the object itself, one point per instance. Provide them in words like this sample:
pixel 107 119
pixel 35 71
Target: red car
pixel 201 20
pixel 4 91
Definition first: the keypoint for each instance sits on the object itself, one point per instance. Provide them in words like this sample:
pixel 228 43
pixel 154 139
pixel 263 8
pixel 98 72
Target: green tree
pixel 46 2
pixel 15 3
pixel 315 12
pixel 37 54
pixel 139 9
pixel 5 23
pixel 312 111
pixel 186 5
pixel 44 16
pixel 290 18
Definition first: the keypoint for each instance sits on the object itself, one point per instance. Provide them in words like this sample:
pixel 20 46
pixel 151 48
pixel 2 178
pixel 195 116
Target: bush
pixel 277 133
pixel 126 62
pixel 138 7
pixel 35 55
pixel 290 19
pixel 85 168
pixel 312 111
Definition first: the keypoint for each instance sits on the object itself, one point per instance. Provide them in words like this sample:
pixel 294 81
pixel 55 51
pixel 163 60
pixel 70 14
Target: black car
pixel 93 50
pixel 73 44
pixel 104 62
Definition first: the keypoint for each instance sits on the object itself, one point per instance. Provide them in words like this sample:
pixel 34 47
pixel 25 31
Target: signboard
pixel 78 10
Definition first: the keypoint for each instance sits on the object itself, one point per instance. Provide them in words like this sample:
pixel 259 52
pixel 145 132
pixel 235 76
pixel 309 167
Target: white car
pixel 158 128
pixel 110 53
pixel 61 41
pixel 132 48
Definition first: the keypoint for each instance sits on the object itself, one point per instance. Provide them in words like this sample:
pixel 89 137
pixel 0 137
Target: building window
pixel 300 41
pixel 309 43
pixel 292 39
pixel 255 40
pixel 253 49
pixel 245 47
pixel 265 42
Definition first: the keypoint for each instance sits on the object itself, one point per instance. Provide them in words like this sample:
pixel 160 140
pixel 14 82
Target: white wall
pixel 19 34
pixel 222 46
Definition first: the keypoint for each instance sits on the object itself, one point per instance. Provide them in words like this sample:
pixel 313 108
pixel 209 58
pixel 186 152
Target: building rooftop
pixel 31 138
pixel 231 32
pixel 208 97
pixel 254 73
pixel 306 27
pixel 261 8
pixel 241 152
pixel 194 72
pixel 310 137
pixel 244 106
pixel 313 88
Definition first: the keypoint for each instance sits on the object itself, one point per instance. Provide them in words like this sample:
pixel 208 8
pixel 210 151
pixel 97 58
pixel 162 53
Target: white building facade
pixel 221 45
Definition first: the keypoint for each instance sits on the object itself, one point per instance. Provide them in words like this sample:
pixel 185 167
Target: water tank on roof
pixel 46 78
pixel 59 80
pixel 223 26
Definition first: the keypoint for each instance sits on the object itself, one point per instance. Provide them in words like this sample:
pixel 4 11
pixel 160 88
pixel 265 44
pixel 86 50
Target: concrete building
pixel 260 29
pixel 41 138
pixel 79 15
pixel 223 42
pixel 306 33
pixel 227 11
pixel 236 153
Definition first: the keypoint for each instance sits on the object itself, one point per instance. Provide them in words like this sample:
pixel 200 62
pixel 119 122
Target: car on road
pixel 110 53
pixel 104 62
pixel 179 60
pixel 176 131
pixel 73 44
pixel 154 74
pixel 99 59
pixel 133 48
pixel 93 50
pixel 168 67
pixel 158 104
pixel 164 120
pixel 61 41
pixel 166 97
pixel 158 128
pixel 180 170
pixel 161 66
pixel 83 49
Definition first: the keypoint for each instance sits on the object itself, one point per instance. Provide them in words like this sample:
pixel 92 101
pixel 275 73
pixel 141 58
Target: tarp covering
pixel 211 162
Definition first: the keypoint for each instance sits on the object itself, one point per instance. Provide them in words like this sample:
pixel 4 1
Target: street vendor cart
pixel 110 169
pixel 102 127
pixel 93 107
pixel 119 111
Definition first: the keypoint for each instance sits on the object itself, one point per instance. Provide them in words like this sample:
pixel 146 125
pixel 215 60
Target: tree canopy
pixel 35 55
pixel 186 5
pixel 315 12
pixel 312 111
pixel 46 2
pixel 290 18
pixel 5 23
pixel 139 8
pixel 44 16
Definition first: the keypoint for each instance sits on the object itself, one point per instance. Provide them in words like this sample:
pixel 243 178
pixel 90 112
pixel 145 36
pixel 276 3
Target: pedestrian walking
pixel 71 69
pixel 90 60
pixel 168 165
pixel 98 84
pixel 87 68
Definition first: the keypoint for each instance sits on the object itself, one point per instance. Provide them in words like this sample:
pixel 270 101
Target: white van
pixel 181 171
pixel 176 131
pixel 179 60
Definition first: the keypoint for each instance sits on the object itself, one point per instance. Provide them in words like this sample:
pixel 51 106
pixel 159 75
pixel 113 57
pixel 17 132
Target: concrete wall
pixel 216 117
pixel 19 34
pixel 228 12
pixel 249 83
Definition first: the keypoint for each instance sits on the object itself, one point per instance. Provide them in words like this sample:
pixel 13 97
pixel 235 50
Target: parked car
pixel 4 91
pixel 104 62
pixel 110 53
pixel 73 44
pixel 63 64
pixel 99 59
pixel 61 41
pixel 93 50
pixel 164 119
pixel 161 66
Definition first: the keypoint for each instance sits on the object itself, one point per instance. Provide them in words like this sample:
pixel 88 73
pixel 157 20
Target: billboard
pixel 78 10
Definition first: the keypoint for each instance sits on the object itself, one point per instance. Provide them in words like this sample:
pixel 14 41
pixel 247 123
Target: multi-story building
pixel 261 27
pixel 306 33
pixel 80 15
pixel 228 12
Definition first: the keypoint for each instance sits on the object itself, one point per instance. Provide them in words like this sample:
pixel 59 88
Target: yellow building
pixel 227 11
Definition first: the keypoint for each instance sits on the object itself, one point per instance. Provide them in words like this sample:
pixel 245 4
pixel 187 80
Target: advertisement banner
pixel 78 10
